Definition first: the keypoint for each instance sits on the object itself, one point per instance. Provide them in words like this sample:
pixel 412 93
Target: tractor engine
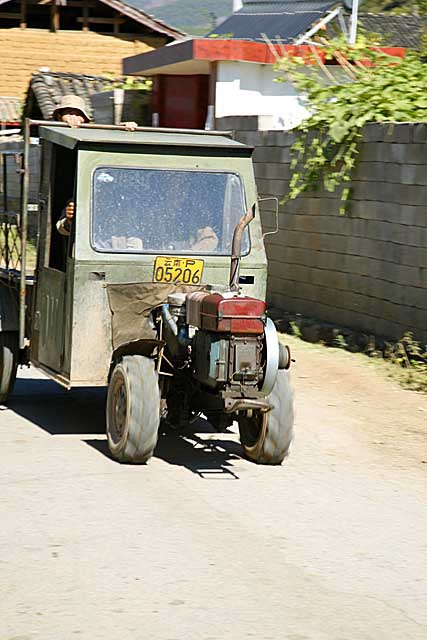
pixel 225 339
pixel 228 342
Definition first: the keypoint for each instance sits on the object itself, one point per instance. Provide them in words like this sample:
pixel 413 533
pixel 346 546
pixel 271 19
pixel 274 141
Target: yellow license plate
pixel 183 270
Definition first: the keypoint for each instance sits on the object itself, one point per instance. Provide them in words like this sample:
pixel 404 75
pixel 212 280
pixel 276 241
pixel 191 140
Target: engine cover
pixel 210 358
pixel 221 361
pixel 245 359
pixel 232 314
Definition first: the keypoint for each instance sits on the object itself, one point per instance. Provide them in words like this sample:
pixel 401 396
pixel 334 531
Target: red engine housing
pixel 223 314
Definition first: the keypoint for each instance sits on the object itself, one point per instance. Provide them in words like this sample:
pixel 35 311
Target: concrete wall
pixel 366 270
pixel 251 89
pixel 247 88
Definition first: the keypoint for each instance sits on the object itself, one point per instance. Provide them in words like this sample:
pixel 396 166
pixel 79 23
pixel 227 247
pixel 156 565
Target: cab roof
pixel 70 137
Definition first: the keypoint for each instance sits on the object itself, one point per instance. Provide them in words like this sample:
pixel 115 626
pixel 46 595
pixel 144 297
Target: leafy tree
pixel 376 88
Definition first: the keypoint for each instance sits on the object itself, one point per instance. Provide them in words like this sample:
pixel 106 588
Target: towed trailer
pixel 158 290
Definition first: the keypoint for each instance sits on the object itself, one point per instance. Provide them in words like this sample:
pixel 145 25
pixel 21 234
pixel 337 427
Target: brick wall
pixel 366 270
pixel 24 51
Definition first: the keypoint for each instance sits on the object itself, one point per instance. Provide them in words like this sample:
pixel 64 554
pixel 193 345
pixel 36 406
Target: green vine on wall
pixel 364 85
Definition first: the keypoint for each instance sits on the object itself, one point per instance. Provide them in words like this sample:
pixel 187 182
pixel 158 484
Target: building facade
pixel 77 36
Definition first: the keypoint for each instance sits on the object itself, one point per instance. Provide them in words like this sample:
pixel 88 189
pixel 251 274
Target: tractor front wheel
pixel 267 437
pixel 133 410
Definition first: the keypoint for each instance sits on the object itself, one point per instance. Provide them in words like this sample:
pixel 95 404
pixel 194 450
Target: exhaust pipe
pixel 236 247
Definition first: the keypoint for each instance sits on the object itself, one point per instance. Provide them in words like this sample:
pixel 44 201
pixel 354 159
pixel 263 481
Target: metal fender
pixel 272 356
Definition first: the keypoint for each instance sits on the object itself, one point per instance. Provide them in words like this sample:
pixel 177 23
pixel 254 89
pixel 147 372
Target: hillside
pixel 192 16
pixel 200 16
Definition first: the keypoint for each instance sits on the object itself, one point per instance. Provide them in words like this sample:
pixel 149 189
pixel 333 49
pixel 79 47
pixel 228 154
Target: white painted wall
pixel 249 89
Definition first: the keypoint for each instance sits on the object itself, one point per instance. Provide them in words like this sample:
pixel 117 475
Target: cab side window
pixel 63 191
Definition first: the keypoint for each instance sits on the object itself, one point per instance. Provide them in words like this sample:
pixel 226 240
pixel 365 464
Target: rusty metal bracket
pixel 231 405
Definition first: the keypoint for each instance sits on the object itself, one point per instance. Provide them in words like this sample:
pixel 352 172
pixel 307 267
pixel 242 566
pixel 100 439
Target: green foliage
pixel 394 6
pixel 295 330
pixel 373 87
pixel 340 341
pixel 412 357
pixel 222 36
pixel 128 82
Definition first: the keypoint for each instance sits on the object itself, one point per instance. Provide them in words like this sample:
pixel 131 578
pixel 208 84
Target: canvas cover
pixel 131 304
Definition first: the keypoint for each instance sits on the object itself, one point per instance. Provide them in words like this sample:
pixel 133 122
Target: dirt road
pixel 202 544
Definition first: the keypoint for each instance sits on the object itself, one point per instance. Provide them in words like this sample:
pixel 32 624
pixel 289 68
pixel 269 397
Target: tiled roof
pixel 396 30
pixel 47 87
pixel 279 20
pixel 10 110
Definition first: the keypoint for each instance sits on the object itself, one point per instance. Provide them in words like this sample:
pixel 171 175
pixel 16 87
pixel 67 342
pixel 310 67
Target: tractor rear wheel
pixel 8 363
pixel 267 437
pixel 133 410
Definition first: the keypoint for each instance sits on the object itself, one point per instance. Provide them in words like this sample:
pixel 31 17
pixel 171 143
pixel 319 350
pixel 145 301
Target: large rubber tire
pixel 133 410
pixel 267 438
pixel 8 363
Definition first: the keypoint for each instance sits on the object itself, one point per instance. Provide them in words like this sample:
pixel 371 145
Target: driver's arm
pixel 63 226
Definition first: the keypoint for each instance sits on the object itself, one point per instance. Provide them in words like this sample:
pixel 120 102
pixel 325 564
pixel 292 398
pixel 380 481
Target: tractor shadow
pixel 81 412
pixel 57 411
pixel 209 458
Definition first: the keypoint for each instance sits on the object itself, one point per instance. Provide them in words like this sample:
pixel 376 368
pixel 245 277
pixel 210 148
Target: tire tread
pixel 275 446
pixel 140 440
pixel 8 363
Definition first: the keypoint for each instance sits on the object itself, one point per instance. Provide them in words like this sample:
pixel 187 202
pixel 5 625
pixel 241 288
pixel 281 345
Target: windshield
pixel 166 211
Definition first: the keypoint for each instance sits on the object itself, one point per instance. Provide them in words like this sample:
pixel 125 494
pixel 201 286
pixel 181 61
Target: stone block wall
pixel 368 269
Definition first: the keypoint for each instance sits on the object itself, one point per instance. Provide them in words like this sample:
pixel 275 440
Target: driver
pixel 71 109
pixel 206 241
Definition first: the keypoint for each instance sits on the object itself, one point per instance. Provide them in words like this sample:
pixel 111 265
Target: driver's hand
pixel 135 244
pixel 73 120
pixel 130 126
pixel 69 211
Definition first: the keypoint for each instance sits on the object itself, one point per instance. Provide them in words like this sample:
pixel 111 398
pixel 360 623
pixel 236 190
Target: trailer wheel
pixel 8 363
pixel 133 410
pixel 267 438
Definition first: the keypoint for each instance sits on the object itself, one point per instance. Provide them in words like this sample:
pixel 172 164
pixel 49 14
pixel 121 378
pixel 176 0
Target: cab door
pixel 54 274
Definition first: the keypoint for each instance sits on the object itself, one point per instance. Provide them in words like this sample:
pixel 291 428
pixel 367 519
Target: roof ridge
pixel 71 75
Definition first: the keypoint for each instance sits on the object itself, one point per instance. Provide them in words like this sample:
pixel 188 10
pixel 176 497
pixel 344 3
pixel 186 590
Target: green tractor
pixel 157 289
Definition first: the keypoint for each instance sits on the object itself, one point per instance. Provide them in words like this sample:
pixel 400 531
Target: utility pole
pixel 353 23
